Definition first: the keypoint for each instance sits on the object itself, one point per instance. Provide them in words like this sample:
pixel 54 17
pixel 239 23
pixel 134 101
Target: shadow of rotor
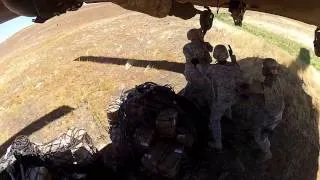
pixel 37 125
pixel 159 64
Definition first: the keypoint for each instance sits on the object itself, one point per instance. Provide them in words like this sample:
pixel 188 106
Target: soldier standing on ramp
pixel 225 78
pixel 262 110
pixel 274 104
pixel 197 61
pixel 274 99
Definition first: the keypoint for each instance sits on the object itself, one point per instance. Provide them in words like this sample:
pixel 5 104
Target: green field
pixel 292 47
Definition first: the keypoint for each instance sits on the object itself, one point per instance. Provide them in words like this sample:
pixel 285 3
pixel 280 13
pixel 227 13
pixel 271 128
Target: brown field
pixel 63 74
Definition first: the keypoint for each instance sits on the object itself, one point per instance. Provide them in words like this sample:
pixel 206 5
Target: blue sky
pixel 9 28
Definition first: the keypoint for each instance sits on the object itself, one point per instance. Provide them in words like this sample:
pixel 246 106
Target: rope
pixel 241 6
pixel 36 7
pixel 218 6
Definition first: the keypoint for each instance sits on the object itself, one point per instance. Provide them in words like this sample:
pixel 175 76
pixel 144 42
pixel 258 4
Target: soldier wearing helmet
pixel 263 106
pixel 197 54
pixel 273 93
pixel 197 48
pixel 273 105
pixel 221 54
pixel 225 77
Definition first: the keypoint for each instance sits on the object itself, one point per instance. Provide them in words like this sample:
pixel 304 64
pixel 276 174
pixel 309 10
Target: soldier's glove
pixel 195 61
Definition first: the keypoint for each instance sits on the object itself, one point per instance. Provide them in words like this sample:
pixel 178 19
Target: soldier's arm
pixel 187 53
pixel 209 46
pixel 208 58
pixel 232 56
pixel 234 59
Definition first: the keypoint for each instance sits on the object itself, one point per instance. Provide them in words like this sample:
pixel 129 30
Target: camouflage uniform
pixel 262 111
pixel 224 80
pixel 196 89
pixel 274 106
pixel 274 102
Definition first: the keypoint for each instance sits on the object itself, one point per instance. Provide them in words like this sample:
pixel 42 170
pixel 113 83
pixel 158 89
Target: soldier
pixel 221 54
pixel 197 48
pixel 274 103
pixel 197 61
pixel 225 78
pixel 262 110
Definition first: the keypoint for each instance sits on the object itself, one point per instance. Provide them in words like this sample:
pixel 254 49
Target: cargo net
pixel 153 125
pixel 61 158
pixel 137 107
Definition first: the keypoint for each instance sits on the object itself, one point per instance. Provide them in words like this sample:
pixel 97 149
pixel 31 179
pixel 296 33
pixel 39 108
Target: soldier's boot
pixel 264 145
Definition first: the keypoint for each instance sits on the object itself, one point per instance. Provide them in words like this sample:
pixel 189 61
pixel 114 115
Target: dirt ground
pixel 63 74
